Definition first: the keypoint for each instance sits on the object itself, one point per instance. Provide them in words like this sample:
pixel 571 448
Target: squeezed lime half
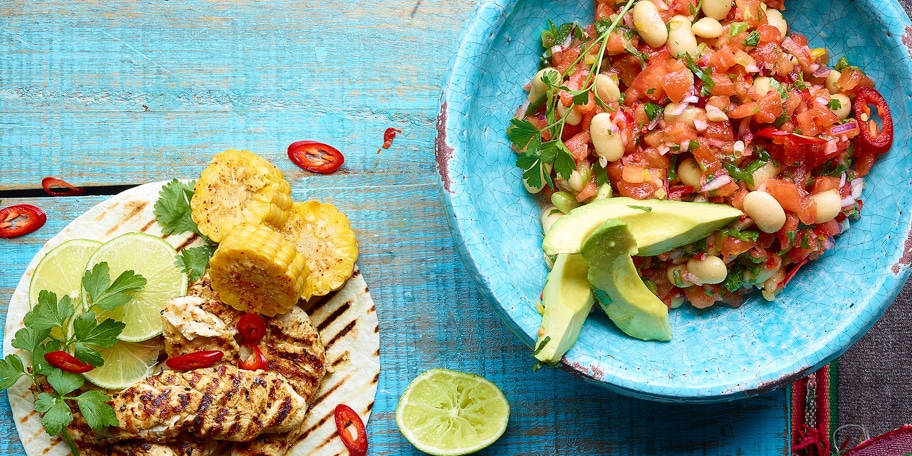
pixel 446 412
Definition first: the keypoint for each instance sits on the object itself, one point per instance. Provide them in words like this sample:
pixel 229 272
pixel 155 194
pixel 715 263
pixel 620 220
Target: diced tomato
pixel 649 83
pixel 749 11
pixel 769 34
pixel 678 82
pixel 851 77
pixel 824 183
pixel 732 246
pixel 706 159
pixel 745 110
pixel 864 161
pixel 770 107
pixel 722 85
pixel 698 297
pixel 786 193
pixel 719 130
pixel 579 145
pixel 619 41
pixel 721 60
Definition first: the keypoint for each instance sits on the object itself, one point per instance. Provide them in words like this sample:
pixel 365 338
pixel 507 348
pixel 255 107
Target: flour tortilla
pixel 346 320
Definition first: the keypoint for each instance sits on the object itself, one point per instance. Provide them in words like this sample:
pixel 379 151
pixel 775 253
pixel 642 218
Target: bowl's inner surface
pixel 715 354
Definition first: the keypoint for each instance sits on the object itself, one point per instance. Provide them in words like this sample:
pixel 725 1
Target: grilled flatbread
pixel 345 319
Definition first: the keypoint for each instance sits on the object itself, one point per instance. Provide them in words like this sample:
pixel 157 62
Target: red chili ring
pixel 33 217
pixel 50 184
pixel 870 139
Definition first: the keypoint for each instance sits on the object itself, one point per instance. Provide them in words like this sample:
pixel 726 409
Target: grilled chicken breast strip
pixel 218 403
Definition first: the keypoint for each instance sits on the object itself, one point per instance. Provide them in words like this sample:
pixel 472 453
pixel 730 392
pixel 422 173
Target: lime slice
pixel 60 270
pixel 125 363
pixel 445 412
pixel 152 258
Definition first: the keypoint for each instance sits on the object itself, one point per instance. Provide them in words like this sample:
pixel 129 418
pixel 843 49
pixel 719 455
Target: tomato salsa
pixel 715 101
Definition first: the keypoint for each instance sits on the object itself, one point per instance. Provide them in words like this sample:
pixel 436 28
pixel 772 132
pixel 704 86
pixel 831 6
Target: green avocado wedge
pixel 657 225
pixel 617 286
pixel 567 299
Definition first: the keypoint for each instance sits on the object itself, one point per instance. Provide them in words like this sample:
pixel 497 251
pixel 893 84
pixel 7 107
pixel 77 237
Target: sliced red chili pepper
pixel 347 420
pixel 788 138
pixel 389 135
pixel 20 219
pixel 872 139
pixel 52 186
pixel 315 156
pixel 791 274
pixel 195 360
pixel 256 360
pixel 67 362
pixel 251 327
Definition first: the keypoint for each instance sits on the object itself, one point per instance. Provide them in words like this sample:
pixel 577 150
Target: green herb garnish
pixel 753 38
pixel 704 74
pixel 172 211
pixel 59 324
pixel 537 152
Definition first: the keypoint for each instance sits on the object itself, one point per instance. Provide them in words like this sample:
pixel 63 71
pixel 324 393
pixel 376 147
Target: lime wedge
pixel 446 412
pixel 152 258
pixel 60 270
pixel 125 363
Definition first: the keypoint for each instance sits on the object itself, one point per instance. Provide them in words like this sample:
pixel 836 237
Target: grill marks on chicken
pixel 219 403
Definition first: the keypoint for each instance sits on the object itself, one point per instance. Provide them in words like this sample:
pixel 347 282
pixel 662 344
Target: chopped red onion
pixel 844 128
pixel 857 187
pixel 717 183
pixel 821 72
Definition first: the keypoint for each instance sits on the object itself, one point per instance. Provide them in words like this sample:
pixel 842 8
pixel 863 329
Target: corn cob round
pixel 324 236
pixel 255 269
pixel 239 187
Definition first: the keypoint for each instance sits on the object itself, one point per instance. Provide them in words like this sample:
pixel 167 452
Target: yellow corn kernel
pixel 323 235
pixel 255 269
pixel 239 187
pixel 820 55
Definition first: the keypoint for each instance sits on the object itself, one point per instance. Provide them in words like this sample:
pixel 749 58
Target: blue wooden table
pixel 120 92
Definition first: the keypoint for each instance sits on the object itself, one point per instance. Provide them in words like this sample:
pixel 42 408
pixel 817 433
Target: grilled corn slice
pixel 256 269
pixel 238 187
pixel 324 236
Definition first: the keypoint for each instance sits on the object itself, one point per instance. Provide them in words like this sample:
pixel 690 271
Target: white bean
pixel 689 172
pixel 607 142
pixel 681 37
pixel 710 269
pixel 774 18
pixel 832 81
pixel 767 171
pixel 550 214
pixel 648 23
pixel 707 27
pixel 829 204
pixel 579 179
pixel 765 211
pixel 845 105
pixel 606 88
pixel 717 9
pixel 690 113
pixel 539 87
pixel 572 115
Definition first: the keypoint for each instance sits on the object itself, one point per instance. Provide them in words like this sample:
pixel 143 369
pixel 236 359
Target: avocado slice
pixel 567 299
pixel 657 225
pixel 617 286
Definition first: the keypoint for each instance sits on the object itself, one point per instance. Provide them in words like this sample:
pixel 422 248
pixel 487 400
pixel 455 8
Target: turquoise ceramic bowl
pixel 719 354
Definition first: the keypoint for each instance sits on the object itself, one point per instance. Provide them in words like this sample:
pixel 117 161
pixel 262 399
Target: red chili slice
pixel 20 219
pixel 251 327
pixel 346 420
pixel 67 362
pixel 787 138
pixel 389 135
pixel 52 186
pixel 195 360
pixel 256 360
pixel 315 156
pixel 871 138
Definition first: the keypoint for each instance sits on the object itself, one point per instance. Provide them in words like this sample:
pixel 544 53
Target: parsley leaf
pixel 521 132
pixel 56 412
pixel 94 408
pixel 652 110
pixel 753 38
pixel 11 370
pixel 172 210
pixel 107 295
pixel 29 339
pixel 195 260
pixel 705 75
pixel 49 312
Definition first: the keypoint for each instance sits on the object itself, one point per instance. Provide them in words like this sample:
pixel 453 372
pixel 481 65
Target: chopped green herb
pixel 750 236
pixel 842 64
pixel 652 110
pixel 736 28
pixel 753 38
pixel 642 208
pixel 704 74
pixel 735 278
pixel 834 104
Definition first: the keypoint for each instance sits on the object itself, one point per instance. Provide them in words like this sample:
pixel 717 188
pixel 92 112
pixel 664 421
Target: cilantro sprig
pixel 542 149
pixel 172 211
pixel 60 324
